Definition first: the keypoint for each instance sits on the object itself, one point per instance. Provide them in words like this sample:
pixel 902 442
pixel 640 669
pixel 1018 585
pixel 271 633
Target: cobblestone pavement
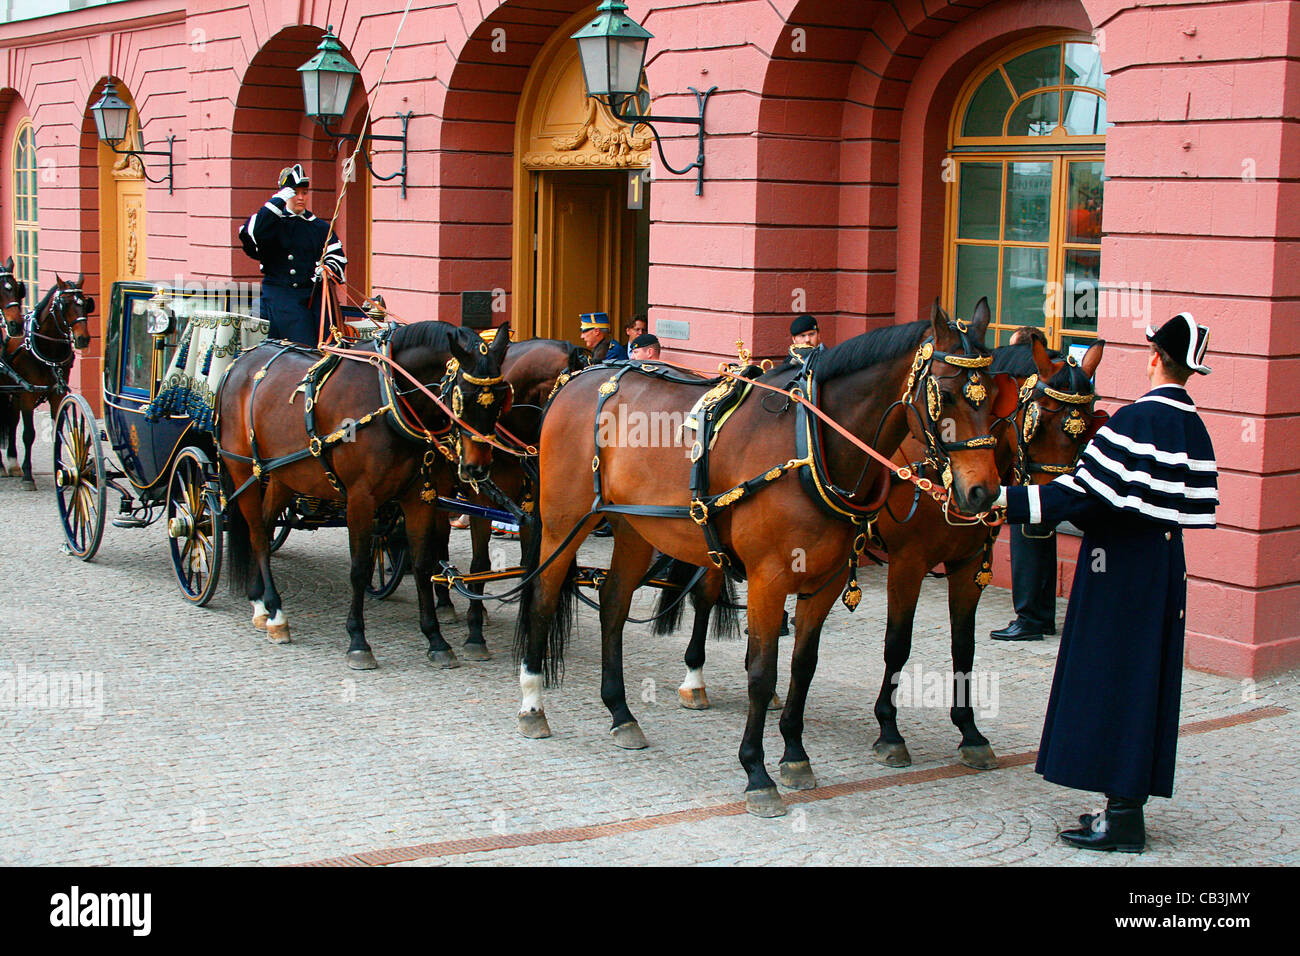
pixel 214 746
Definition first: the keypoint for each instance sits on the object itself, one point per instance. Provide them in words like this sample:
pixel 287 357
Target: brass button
pixel 1168 534
pixel 1180 613
pixel 291 256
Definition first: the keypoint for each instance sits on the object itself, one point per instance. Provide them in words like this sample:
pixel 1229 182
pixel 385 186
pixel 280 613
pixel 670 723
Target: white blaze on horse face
pixel 694 679
pixel 530 685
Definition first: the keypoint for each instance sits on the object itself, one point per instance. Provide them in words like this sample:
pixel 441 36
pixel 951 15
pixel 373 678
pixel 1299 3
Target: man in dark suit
pixel 1112 718
pixel 287 242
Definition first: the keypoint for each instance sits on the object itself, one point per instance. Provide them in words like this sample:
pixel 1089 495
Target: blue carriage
pixel 165 351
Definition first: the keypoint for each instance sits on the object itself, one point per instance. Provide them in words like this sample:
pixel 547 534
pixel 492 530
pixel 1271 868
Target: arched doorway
pixel 270 130
pixel 1027 151
pixel 581 204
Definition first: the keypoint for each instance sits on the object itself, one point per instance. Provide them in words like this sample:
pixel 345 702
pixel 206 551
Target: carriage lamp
pixel 612 48
pixel 112 114
pixel 327 80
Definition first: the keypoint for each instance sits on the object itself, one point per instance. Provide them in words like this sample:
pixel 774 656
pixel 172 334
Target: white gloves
pixel 286 194
pixel 1001 500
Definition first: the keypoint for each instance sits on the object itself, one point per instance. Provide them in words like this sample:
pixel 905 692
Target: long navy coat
pixel 1112 718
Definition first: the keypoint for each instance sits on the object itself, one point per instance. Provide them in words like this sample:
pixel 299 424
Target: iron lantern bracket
pixel 372 137
pixel 635 120
pixel 168 152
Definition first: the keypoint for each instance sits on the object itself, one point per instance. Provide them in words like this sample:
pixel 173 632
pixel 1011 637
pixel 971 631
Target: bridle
pixel 15 290
pixel 58 308
pixel 1079 422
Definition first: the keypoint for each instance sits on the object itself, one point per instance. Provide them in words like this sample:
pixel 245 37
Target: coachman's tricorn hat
pixel 293 177
pixel 805 323
pixel 1183 340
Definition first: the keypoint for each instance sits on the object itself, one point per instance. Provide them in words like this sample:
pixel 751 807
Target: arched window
pixel 25 228
pixel 1025 191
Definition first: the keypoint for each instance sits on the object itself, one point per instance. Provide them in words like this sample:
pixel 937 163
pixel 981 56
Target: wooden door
pixel 585 241
pixel 131 230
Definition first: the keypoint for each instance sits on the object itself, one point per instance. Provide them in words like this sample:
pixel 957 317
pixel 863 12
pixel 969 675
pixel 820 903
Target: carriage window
pixel 24 209
pixel 138 372
pixel 1025 221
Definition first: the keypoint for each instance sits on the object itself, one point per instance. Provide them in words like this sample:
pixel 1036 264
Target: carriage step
pixel 129 521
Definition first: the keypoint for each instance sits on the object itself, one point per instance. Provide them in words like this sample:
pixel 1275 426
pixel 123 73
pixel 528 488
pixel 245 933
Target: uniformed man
pixel 1112 719
pixel 594 329
pixel 644 348
pixel 804 331
pixel 287 241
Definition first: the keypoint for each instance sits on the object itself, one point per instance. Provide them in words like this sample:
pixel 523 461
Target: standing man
pixel 1033 561
pixel 287 241
pixel 805 338
pixel 1112 718
pixel 594 331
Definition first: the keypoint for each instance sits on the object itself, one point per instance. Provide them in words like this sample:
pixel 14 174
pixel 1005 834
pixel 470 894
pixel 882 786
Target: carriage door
pixel 579 245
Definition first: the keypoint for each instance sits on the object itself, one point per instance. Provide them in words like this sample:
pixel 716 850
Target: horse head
pixel 479 395
pixel 12 292
pixel 69 309
pixel 958 393
pixel 1055 418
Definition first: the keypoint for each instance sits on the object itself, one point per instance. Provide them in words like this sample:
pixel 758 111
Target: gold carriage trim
pixel 1068 396
pixel 976 361
pixel 481 381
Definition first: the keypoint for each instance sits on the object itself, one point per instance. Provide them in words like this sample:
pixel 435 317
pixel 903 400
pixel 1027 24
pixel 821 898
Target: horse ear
pixel 941 326
pixel 979 322
pixel 461 354
pixel 81 277
pixel 9 264
pixel 497 350
pixel 1044 364
pixel 1092 358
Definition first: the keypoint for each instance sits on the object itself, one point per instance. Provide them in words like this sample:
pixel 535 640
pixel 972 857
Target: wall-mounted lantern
pixel 112 115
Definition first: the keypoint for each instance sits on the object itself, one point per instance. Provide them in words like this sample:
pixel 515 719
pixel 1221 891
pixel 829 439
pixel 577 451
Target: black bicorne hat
pixel 1183 340
pixel 805 323
pixel 293 177
pixel 644 340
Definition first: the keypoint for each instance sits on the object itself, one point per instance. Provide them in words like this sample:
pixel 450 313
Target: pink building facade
pixel 831 138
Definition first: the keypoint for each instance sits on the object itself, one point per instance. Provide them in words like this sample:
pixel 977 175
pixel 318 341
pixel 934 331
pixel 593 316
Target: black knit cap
pixel 643 340
pixel 1183 340
pixel 805 323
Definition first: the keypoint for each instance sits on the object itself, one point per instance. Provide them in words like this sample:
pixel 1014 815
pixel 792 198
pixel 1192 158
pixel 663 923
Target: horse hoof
pixel 445 611
pixel 775 702
pixel 362 661
pixel 29 484
pixel 444 659
pixel 15 471
pixel 533 725
pixel 765 803
pixel 476 652
pixel 629 736
pixel 798 775
pixel 892 755
pixel 277 633
pixel 696 698
pixel 979 757
pixel 259 621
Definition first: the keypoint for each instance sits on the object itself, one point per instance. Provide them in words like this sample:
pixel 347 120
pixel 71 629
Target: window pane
pixel 1029 200
pixel 1037 68
pixel 1083 66
pixel 138 372
pixel 1024 277
pixel 1082 270
pixel 1083 216
pixel 988 107
pixel 980 202
pixel 977 277
pixel 1036 116
pixel 1085 114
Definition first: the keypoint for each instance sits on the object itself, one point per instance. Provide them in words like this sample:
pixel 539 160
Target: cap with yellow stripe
pixel 594 320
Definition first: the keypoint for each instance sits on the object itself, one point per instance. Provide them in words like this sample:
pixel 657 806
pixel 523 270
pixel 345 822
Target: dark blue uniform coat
pixel 1112 718
pixel 287 247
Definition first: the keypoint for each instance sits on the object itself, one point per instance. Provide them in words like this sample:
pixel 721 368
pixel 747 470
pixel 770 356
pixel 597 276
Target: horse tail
pixel 555 628
pixel 726 616
pixel 678 574
pixel 239 543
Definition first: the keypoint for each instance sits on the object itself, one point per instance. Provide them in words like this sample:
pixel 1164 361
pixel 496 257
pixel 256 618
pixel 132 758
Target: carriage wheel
pixel 79 480
pixel 279 531
pixel 194 527
pixel 392 557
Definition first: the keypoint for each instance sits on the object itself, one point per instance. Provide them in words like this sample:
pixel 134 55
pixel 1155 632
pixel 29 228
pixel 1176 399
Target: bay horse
pixel 532 367
pixel 34 366
pixel 1044 429
pixel 373 439
pixel 923 539
pixel 786 533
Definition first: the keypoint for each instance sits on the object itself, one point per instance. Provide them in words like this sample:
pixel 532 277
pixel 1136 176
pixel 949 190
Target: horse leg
pixel 765 607
pixel 692 693
pixel 904 588
pixel 29 436
pixel 963 598
pixel 810 614
pixel 268 613
pixel 631 558
pixel 442 552
pixel 361 528
pixel 480 533
pixel 422 528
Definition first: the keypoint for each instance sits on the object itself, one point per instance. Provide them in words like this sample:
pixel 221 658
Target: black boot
pixel 1119 827
pixel 1017 630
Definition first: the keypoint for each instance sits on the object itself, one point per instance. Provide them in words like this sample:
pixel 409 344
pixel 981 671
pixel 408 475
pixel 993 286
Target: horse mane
pixel 871 348
pixel 433 335
pixel 45 300
pixel 1018 361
